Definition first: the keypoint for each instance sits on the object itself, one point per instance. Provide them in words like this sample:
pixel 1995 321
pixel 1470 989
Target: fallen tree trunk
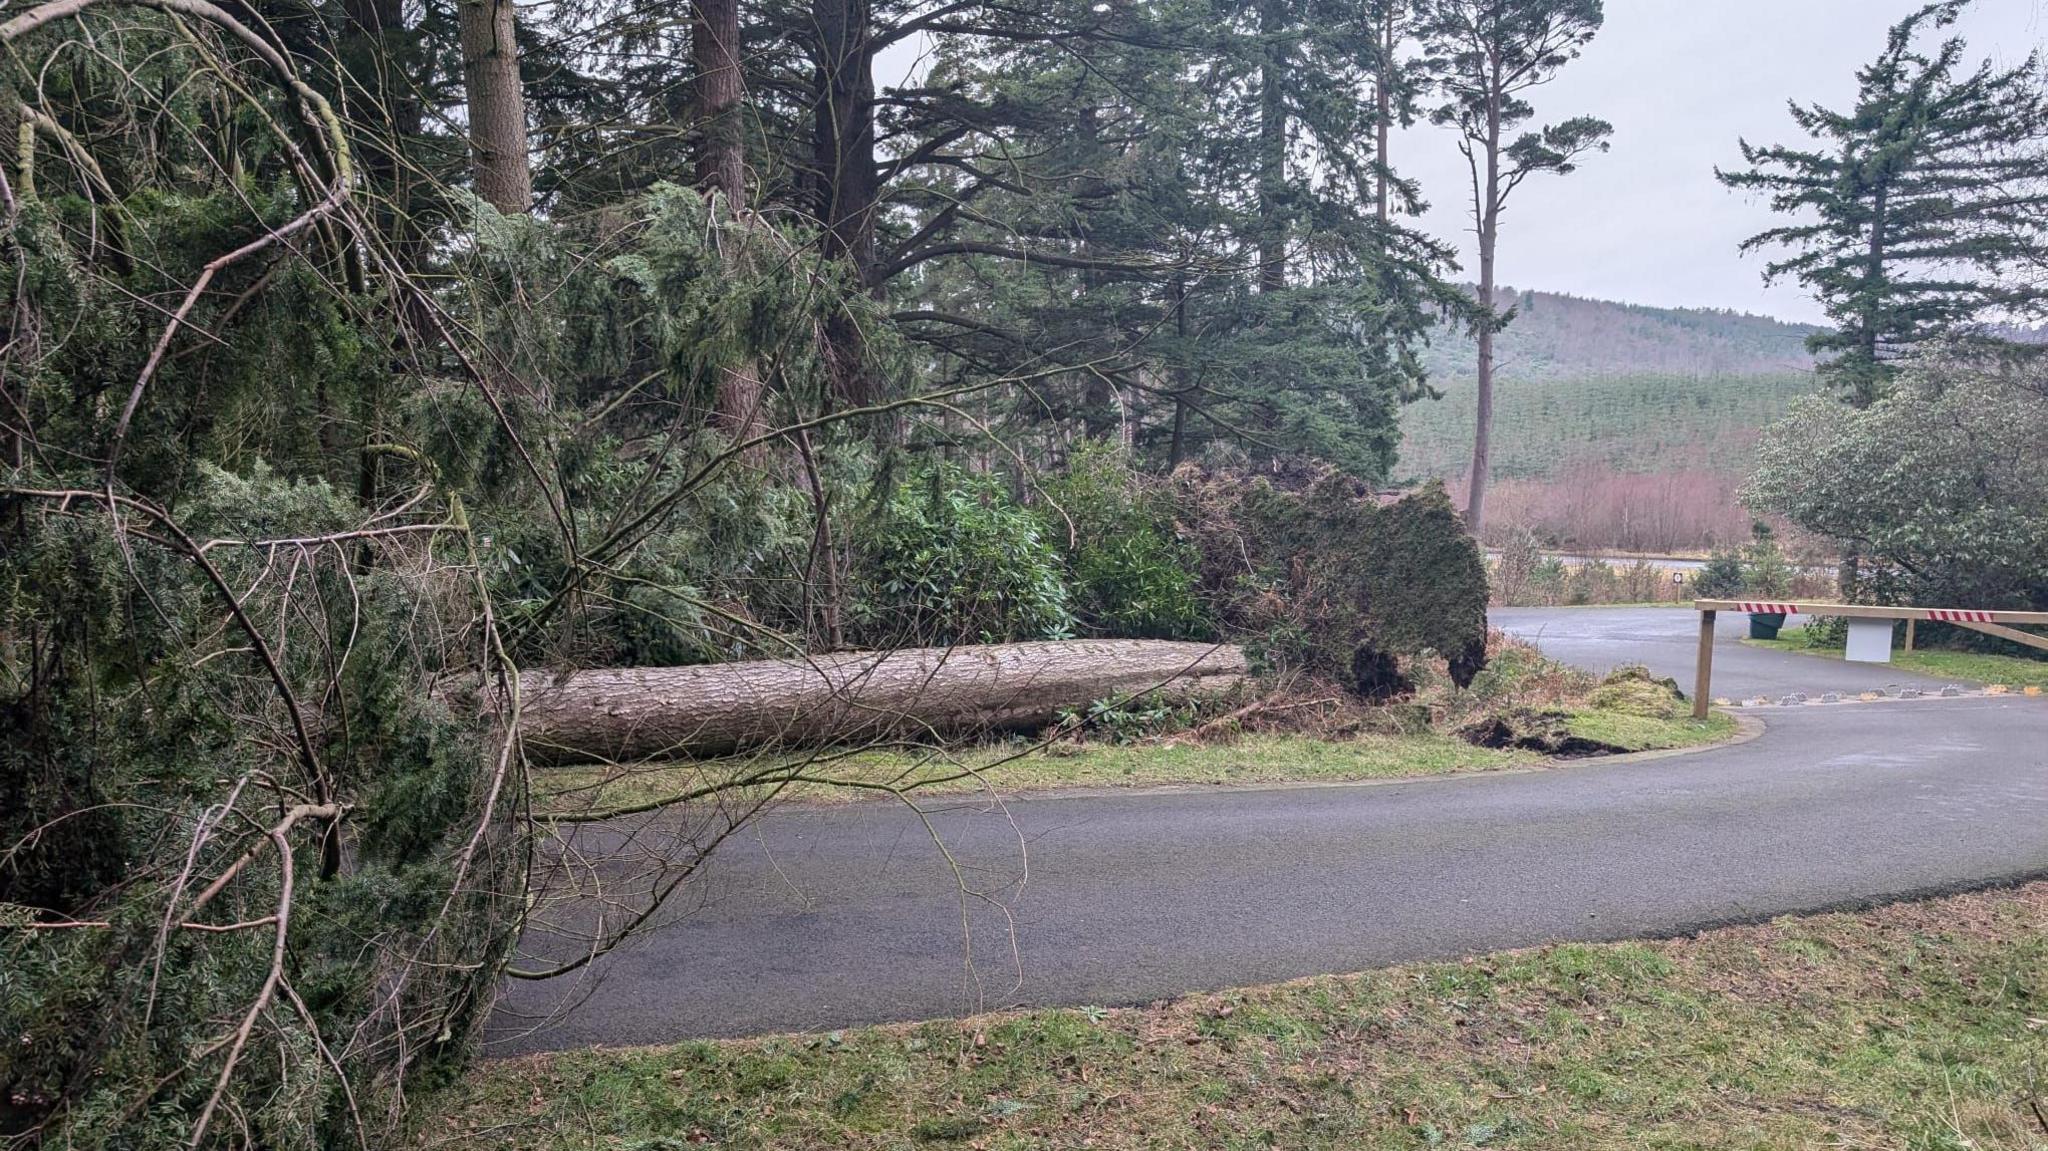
pixel 621 714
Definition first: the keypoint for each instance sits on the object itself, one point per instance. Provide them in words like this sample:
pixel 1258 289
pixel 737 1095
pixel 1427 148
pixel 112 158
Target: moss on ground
pixel 1918 1026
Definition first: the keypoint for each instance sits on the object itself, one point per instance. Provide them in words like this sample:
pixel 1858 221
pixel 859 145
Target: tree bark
pixel 641 713
pixel 1384 114
pixel 376 48
pixel 1487 209
pixel 722 172
pixel 847 184
pixel 497 106
pixel 843 131
pixel 1272 147
pixel 714 49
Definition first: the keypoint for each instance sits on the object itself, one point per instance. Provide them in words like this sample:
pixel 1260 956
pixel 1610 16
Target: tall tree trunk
pixel 844 131
pixel 1178 449
pixel 714 49
pixel 1487 210
pixel 1272 146
pixel 847 184
pixel 722 172
pixel 497 106
pixel 1866 383
pixel 1384 113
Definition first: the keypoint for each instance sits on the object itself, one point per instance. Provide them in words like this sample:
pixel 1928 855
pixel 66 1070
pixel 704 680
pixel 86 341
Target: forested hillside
pixel 1615 425
pixel 1555 336
pixel 1592 381
pixel 1636 422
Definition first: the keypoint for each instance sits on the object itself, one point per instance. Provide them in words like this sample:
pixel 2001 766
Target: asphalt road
pixel 832 917
pixel 1666 640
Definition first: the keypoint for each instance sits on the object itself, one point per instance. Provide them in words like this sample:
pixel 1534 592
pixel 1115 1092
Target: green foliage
pixel 1425 580
pixel 1129 574
pixel 1940 486
pixel 1915 208
pixel 1125 721
pixel 1593 581
pixel 1261 300
pixel 1629 421
pixel 129 712
pixel 950 557
pixel 694 555
pixel 1320 578
pixel 1722 577
pixel 1559 339
pixel 1548 578
pixel 1764 570
pixel 1627 386
pixel 1484 54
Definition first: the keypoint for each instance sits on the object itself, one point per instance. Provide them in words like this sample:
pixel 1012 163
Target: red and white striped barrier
pixel 1944 614
pixel 1870 629
pixel 1872 611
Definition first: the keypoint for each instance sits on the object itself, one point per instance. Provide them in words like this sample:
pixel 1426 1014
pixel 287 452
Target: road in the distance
pixel 1666 640
pixel 832 917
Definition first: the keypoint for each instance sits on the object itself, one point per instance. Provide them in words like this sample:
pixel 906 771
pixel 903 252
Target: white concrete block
pixel 1870 641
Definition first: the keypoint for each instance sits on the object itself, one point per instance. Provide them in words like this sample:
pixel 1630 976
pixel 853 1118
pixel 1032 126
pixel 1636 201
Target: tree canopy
pixel 1940 484
pixel 1921 210
pixel 1482 57
pixel 361 356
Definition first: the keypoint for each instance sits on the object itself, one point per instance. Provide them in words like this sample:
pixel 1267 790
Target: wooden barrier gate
pixel 1988 622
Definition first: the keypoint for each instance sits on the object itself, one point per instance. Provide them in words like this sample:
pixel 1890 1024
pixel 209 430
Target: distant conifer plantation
pixel 1615 394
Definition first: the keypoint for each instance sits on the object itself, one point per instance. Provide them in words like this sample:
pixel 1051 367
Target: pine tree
pixel 1397 87
pixel 1483 55
pixel 1916 207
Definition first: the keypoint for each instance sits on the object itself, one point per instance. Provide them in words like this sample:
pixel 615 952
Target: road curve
pixel 833 917
pixel 1666 640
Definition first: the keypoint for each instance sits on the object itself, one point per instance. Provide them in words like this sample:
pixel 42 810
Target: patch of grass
pixel 1649 733
pixel 1916 1026
pixel 1251 759
pixel 1962 666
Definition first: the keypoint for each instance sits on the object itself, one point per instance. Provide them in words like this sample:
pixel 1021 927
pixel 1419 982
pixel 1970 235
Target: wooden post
pixel 1909 633
pixel 1703 686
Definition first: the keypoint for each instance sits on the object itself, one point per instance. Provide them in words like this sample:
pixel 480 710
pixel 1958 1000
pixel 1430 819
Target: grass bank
pixel 1962 666
pixel 1628 732
pixel 1250 759
pixel 1913 1026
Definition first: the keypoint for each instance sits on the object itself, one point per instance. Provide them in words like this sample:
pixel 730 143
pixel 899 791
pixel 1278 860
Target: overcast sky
pixel 1682 81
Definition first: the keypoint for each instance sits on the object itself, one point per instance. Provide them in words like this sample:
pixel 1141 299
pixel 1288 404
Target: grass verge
pixel 1914 1026
pixel 1962 666
pixel 1251 759
pixel 1628 732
